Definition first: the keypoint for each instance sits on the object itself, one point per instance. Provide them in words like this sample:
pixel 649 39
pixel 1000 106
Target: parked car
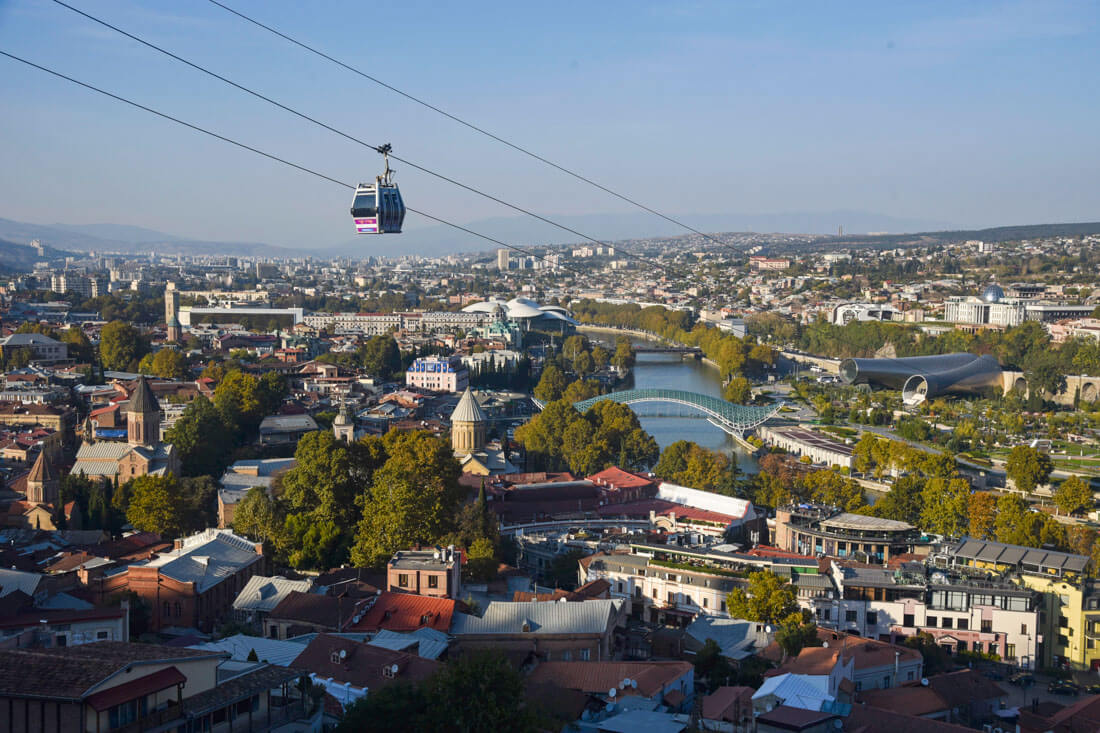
pixel 1062 687
pixel 1092 690
pixel 1024 679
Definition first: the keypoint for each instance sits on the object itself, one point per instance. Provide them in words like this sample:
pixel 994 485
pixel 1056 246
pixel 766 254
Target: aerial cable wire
pixel 472 126
pixel 359 141
pixel 278 159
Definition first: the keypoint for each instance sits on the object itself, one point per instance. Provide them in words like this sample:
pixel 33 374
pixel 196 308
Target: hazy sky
pixel 977 114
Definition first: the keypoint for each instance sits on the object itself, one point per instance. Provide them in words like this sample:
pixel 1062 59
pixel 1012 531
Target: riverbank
pixel 643 335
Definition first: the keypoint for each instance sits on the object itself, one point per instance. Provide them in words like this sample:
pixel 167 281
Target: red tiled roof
pixel 361 664
pixel 910 700
pixel 406 612
pixel 716 706
pixel 619 478
pixel 662 507
pixel 132 690
pixel 866 719
pixel 599 677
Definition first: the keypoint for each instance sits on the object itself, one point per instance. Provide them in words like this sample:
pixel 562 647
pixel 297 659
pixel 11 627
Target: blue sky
pixel 977 114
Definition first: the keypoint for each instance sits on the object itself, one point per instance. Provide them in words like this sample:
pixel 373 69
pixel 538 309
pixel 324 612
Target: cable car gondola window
pixel 364 205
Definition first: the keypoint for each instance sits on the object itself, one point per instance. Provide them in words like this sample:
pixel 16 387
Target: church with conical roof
pixel 468 440
pixel 142 454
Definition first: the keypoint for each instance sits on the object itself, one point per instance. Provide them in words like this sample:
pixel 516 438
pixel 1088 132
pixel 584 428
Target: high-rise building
pixel 502 259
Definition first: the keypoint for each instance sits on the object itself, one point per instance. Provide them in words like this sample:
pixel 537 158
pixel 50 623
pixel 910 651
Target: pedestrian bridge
pixel 732 418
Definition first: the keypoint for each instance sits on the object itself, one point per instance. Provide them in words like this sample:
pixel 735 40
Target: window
pixel 620 584
pixel 179 610
pixel 433 581
pixel 567 656
pixel 947 622
pixel 126 713
pixel 723 605
pixel 886 682
pixel 167 610
pixel 706 603
pixel 585 655
pixel 987 626
pixel 1010 651
pixel 932 621
pixel 992 648
pixel 909 676
pixel 850 616
pixel 100 635
pixel 671 597
pixel 654 592
pixel 872 618
pixel 1063 622
pixel 962 624
pixel 907 620
pixel 1023 629
pixel 403 580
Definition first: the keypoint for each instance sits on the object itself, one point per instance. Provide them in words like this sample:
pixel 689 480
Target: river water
pixel 676 422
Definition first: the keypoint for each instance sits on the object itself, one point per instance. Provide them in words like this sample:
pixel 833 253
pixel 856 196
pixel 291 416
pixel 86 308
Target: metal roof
pixel 207 558
pixel 262 593
pixel 539 617
pixel 430 644
pixel 468 409
pixel 239 646
pixel 998 552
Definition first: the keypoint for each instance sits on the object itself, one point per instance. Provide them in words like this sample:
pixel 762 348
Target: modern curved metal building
pixel 924 377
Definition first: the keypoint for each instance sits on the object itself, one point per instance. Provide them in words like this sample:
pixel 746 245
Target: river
pixel 669 371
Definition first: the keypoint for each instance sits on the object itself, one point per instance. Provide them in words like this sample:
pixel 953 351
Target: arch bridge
pixel 732 418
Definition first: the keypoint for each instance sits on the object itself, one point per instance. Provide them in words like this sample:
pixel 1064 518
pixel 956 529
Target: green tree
pixel 414 498
pixel 829 487
pixel 584 365
pixel 796 632
pixel 903 503
pixel 120 346
pixel 480 692
pixel 1028 467
pixel 318 495
pixel 378 712
pixel 551 384
pixel 203 441
pixel 198 498
pixel 382 357
pixel 945 506
pixel 601 357
pixel 581 389
pixel 79 347
pixel 738 390
pixel 154 505
pixel 257 516
pixel 712 666
pixel 169 364
pixel 1016 524
pixel 1073 495
pixel 624 356
pixel 238 399
pixel 481 560
pixel 768 599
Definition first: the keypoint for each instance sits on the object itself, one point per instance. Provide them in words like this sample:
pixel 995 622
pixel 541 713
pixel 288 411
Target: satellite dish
pixel 769 628
pixel 612 692
pixel 924 681
pixel 394 669
pixel 825 644
pixel 343 654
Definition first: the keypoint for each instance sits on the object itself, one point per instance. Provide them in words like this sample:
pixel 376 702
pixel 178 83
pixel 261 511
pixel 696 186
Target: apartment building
pixel 1069 605
pixel 961 612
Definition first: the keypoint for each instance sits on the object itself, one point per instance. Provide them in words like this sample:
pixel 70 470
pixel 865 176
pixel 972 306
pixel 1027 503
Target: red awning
pixel 147 685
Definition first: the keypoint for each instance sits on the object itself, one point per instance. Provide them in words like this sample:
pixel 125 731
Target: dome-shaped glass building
pixel 993 294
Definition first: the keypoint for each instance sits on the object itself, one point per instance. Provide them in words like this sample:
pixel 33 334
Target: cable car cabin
pixel 378 209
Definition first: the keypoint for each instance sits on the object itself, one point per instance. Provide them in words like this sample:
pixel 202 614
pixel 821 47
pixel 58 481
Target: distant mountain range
pixel 15 257
pixel 126 239
pixel 860 229
pixel 520 231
